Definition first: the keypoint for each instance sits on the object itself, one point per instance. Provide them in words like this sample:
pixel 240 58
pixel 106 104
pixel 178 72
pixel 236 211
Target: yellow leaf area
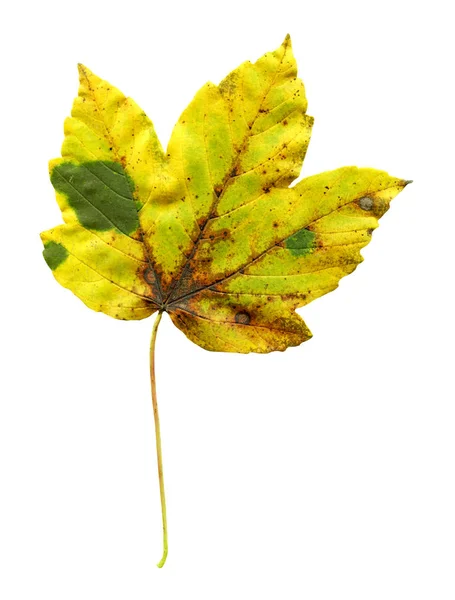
pixel 208 231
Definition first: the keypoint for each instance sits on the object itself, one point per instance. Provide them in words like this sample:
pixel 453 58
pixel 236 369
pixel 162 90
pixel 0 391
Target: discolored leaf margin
pixel 209 230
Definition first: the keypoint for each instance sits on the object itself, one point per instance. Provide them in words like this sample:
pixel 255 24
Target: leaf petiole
pixel 158 437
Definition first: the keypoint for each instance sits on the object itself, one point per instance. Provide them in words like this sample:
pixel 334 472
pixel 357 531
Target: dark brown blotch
pixel 149 276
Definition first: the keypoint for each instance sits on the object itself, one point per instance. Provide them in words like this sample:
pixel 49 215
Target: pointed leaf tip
pixel 83 70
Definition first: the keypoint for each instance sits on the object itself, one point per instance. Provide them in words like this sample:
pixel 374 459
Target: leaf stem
pixel 158 436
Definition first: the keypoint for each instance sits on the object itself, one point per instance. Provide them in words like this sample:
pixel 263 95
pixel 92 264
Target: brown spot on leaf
pixel 149 276
pixel 243 317
pixel 366 203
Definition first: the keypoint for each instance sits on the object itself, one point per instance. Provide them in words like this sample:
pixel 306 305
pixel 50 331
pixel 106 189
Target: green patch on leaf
pixel 301 243
pixel 100 193
pixel 54 254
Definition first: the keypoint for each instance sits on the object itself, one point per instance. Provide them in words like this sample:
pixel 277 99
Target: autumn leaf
pixel 208 231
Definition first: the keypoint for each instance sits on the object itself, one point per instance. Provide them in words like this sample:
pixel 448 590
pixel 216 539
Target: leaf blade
pixel 209 231
pixel 222 180
pixel 312 258
pixel 109 148
pixel 106 280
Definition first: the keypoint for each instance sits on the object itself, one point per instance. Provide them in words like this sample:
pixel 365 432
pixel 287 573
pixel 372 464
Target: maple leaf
pixel 208 231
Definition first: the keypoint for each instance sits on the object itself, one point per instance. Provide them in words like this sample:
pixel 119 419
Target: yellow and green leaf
pixel 208 231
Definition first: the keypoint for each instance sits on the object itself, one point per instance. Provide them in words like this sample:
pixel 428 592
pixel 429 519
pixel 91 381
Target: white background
pixel 322 473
